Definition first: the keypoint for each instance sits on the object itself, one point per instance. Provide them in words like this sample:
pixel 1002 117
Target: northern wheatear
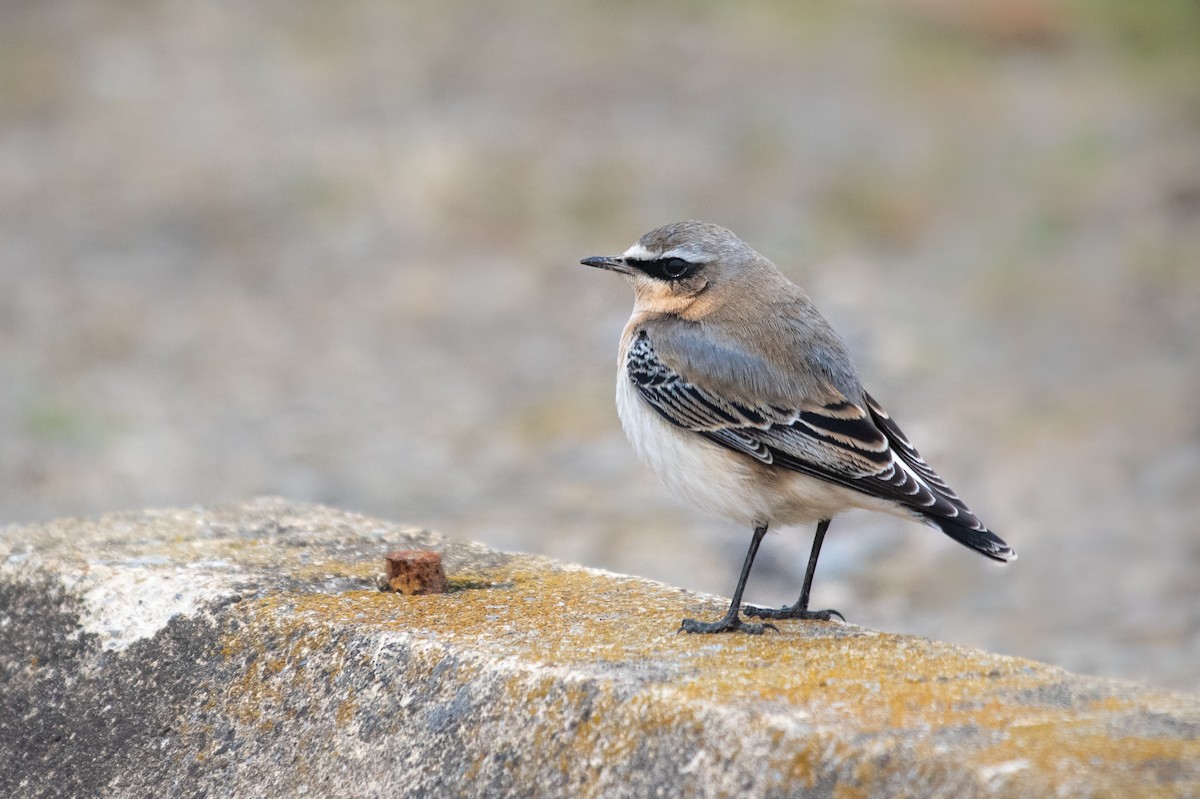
pixel 741 397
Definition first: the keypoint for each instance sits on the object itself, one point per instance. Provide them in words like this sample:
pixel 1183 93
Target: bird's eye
pixel 673 268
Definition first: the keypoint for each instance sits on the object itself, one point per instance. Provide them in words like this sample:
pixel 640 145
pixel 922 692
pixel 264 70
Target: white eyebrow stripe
pixel 639 253
pixel 689 254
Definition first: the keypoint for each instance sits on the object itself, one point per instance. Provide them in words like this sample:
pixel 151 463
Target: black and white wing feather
pixel 841 442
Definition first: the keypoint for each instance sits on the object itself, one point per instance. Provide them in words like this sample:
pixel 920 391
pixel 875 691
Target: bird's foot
pixel 791 612
pixel 731 623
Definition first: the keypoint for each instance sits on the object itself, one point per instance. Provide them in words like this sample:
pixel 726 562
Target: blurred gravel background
pixel 328 251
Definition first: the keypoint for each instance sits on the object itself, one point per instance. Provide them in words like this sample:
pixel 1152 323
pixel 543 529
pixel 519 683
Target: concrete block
pixel 247 650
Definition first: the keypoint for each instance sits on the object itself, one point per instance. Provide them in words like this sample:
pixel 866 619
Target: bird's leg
pixel 732 620
pixel 800 609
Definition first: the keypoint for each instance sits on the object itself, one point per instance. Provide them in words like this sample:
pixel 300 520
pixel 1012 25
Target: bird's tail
pixel 983 540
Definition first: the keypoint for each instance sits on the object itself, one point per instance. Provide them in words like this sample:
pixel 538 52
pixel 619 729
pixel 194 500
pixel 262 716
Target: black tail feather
pixel 983 541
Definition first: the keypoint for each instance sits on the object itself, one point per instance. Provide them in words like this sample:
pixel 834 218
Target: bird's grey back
pixel 801 362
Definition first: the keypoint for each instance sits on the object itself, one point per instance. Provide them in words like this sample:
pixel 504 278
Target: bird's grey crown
pixel 693 240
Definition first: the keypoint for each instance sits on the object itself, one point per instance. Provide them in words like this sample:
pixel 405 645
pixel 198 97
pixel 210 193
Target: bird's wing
pixel 840 441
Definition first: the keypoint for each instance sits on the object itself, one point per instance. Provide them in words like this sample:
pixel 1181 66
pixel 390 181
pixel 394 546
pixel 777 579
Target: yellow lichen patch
pixel 874 681
pixel 843 791
pixel 346 710
pixel 1065 752
pixel 331 568
pixel 269 673
pixel 571 617
pixel 830 684
pixel 1109 705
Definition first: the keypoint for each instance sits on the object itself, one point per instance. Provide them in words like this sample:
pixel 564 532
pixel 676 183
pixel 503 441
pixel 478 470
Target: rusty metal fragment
pixel 415 572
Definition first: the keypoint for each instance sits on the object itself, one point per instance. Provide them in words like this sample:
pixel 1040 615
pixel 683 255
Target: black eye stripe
pixel 665 268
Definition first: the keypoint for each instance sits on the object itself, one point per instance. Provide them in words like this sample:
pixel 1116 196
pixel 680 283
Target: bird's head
pixel 686 268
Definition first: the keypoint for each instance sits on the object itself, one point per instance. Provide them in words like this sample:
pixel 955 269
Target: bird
pixel 743 399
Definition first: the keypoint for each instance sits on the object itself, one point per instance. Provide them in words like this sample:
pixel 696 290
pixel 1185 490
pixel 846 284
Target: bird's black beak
pixel 613 263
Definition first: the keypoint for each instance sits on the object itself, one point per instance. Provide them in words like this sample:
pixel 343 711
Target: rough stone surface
pixel 246 650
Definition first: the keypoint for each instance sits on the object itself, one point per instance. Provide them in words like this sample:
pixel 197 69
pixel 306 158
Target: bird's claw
pixel 728 624
pixel 791 612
